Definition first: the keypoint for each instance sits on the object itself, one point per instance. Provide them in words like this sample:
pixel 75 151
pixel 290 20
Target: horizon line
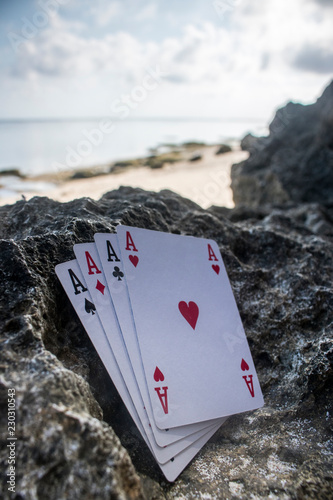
pixel 133 119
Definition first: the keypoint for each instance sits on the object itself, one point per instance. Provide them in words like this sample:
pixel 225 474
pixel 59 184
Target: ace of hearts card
pixel 193 347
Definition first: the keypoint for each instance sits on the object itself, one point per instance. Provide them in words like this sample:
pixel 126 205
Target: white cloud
pixel 59 50
pixel 147 13
pixel 106 13
pixel 251 62
pixel 260 37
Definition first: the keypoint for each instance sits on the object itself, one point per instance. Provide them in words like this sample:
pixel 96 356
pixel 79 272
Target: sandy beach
pixel 205 181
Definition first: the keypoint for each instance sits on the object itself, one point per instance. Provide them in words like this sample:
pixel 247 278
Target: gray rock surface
pixel 280 264
pixel 248 142
pixel 223 148
pixel 295 162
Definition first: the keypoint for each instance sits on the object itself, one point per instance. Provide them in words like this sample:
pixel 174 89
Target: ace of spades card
pixel 194 351
pixel 71 278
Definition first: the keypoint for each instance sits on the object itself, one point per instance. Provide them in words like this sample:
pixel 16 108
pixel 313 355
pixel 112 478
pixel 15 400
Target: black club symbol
pixel 117 273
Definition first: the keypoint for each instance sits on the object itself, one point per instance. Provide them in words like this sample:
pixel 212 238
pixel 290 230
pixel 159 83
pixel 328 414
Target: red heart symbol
pixel 216 268
pixel 244 365
pixel 134 259
pixel 190 312
pixel 158 375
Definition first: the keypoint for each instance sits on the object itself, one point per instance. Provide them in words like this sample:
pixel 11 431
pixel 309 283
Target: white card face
pixel 196 358
pixel 76 289
pixel 173 468
pixel 93 274
pixel 109 253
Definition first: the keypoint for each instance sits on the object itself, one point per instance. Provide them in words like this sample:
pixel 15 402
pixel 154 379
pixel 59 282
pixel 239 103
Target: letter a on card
pixel 91 264
pixel 76 282
pixel 211 253
pixel 130 243
pixel 163 397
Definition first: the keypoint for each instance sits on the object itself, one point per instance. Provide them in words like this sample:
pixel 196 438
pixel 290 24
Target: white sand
pixel 207 181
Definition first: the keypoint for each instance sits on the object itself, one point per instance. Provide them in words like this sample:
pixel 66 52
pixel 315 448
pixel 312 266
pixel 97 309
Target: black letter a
pixel 111 252
pixel 76 282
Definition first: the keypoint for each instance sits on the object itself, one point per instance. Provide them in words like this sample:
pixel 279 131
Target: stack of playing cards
pixel 160 311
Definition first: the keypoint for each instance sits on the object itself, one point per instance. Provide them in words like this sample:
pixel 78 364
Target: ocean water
pixel 37 147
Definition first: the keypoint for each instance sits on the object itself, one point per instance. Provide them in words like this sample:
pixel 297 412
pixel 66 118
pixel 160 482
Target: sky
pixel 190 58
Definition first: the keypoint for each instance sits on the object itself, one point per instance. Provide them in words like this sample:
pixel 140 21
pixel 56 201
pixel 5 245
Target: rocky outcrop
pixel 295 162
pixel 280 264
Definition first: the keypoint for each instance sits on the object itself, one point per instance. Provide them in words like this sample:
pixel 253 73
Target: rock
pixel 193 144
pixel 196 157
pixel 249 142
pixel 15 172
pixel 295 162
pixel 121 164
pixel 223 148
pixel 159 160
pixel 280 264
pixel 86 174
pixel 155 164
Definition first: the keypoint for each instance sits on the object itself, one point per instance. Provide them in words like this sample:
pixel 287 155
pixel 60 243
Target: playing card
pixel 92 271
pixel 174 466
pixel 195 355
pixel 75 287
pixel 110 257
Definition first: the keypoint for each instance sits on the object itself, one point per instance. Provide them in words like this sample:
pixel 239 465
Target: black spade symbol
pixel 89 307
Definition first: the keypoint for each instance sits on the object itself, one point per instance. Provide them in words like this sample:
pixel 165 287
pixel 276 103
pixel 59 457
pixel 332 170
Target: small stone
pixel 196 157
pixel 223 148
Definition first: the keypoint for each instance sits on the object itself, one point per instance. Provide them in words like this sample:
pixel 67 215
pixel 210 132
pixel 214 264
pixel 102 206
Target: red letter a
pixel 249 383
pixel 211 253
pixel 91 264
pixel 163 398
pixel 130 242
